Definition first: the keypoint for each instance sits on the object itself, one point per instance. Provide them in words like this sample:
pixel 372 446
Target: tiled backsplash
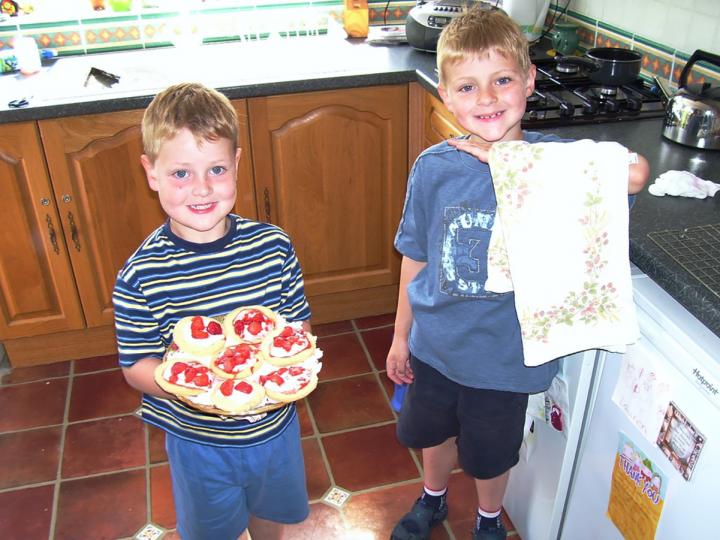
pixel 644 25
pixel 644 22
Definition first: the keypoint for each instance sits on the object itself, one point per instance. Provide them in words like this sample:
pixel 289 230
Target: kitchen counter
pixel 651 214
pixel 324 63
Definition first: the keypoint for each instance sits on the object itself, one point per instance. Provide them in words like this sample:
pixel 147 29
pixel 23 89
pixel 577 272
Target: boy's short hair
pixel 207 113
pixel 479 30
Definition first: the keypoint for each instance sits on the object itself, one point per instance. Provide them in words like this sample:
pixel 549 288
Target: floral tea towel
pixel 560 241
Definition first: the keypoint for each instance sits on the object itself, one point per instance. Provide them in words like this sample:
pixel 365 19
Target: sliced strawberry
pixel 214 328
pixel 287 345
pixel 244 387
pixel 238 325
pixel 173 378
pixel 190 373
pixel 286 332
pixel 296 370
pixel 202 379
pixel 197 323
pixel 255 328
pixel 227 387
pixel 198 334
pixel 276 378
pixel 178 367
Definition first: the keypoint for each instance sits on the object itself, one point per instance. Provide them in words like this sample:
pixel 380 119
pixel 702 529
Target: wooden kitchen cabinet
pixel 36 278
pixel 330 168
pixel 439 123
pixel 75 227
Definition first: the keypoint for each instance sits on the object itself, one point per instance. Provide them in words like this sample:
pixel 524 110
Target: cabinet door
pixel 440 124
pixel 331 169
pixel 106 206
pixel 38 289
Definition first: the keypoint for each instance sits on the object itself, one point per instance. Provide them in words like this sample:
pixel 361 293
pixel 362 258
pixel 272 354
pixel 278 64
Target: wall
pixel 666 32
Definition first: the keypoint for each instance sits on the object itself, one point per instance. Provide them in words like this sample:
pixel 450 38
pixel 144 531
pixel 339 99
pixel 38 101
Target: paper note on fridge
pixel 643 391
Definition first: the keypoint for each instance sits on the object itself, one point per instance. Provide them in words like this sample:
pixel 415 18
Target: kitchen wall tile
pixel 655 61
pixel 610 36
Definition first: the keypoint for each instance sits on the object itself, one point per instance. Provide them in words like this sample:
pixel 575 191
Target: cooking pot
pixel 608 66
pixel 692 114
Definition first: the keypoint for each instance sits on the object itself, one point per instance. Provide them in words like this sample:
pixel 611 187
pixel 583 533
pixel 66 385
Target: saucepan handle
pixel 697 56
pixel 582 61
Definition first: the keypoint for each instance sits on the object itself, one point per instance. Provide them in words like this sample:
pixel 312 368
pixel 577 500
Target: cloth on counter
pixel 560 241
pixel 683 184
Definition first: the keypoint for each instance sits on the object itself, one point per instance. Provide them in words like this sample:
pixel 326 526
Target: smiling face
pixel 196 184
pixel 487 94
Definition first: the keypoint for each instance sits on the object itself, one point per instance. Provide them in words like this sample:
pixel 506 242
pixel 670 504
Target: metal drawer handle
pixel 266 197
pixel 74 231
pixel 52 234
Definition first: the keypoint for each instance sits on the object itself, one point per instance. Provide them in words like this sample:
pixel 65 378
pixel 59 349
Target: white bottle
pixel 27 55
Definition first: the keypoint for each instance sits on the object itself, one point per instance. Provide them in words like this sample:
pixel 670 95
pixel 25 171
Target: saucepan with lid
pixel 609 66
pixel 692 114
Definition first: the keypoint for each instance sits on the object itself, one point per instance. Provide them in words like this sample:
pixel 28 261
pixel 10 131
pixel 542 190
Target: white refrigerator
pixel 629 415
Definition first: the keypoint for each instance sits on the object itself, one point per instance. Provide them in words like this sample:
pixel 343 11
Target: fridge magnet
pixel 643 392
pixel 557 411
pixel 637 492
pixel 680 441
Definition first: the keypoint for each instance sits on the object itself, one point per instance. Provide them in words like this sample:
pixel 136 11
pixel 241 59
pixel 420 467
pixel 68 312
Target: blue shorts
pixel 217 489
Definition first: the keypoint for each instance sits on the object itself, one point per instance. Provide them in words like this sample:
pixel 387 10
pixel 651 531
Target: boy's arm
pixel 398 359
pixel 141 376
pixel 639 174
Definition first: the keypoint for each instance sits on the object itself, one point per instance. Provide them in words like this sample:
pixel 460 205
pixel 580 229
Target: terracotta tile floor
pixel 77 463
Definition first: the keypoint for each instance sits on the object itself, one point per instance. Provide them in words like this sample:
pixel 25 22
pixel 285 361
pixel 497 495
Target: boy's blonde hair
pixel 479 30
pixel 207 113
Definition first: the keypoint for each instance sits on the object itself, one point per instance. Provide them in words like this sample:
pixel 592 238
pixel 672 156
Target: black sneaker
pixel 416 524
pixel 493 532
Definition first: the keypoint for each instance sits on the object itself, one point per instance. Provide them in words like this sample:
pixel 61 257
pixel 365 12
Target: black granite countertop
pixel 313 64
pixel 652 214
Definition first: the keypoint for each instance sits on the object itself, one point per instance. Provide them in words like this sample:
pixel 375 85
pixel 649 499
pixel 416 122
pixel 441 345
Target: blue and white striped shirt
pixel 168 278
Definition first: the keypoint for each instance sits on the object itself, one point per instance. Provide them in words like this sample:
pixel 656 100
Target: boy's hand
pixel 398 363
pixel 480 150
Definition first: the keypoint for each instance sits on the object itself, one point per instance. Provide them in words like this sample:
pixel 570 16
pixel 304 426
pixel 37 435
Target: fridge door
pixel 538 484
pixel 689 357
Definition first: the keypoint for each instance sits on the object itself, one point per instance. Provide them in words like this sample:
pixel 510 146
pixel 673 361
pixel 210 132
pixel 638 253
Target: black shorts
pixel 488 424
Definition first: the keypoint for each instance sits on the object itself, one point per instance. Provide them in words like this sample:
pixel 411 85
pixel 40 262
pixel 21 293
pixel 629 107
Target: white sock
pixel 486 514
pixel 435 493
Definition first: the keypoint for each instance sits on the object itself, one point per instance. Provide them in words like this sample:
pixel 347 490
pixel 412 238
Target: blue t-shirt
pixel 470 335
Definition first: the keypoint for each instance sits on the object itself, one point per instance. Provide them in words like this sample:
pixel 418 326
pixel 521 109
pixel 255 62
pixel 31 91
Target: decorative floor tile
pixel 336 497
pixel 149 532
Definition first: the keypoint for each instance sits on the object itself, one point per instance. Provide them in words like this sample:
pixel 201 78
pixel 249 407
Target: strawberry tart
pixel 236 361
pixel 199 335
pixel 249 324
pixel 184 378
pixel 289 383
pixel 288 345
pixel 237 397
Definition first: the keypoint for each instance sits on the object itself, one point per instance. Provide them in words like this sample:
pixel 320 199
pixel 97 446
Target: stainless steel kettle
pixel 692 114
